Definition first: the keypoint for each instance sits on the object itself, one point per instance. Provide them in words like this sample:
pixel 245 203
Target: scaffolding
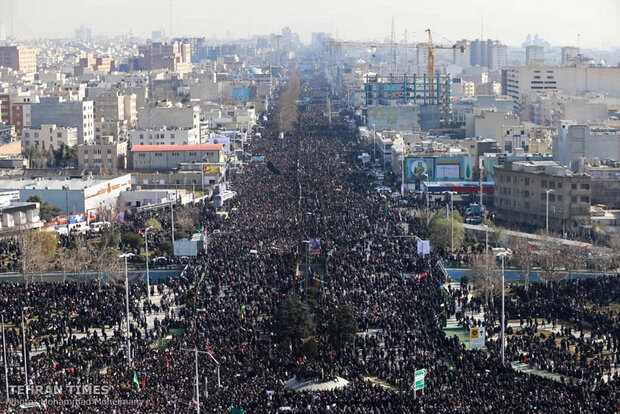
pixel 409 90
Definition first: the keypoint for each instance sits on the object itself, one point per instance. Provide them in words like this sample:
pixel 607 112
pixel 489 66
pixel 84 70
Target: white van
pixel 98 226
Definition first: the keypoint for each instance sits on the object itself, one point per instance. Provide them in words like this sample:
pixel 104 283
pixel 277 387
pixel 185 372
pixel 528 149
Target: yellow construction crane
pixel 430 65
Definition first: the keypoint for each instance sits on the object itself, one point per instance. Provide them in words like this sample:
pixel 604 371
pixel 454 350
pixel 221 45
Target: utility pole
pixel 125 256
pixel 6 362
pixel 197 383
pixel 25 352
pixel 148 276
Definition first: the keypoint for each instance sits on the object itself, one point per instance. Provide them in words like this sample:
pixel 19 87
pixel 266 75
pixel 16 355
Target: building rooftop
pixel 51 183
pixel 540 167
pixel 161 148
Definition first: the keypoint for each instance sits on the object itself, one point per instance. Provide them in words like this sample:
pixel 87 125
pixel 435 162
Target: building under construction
pixel 421 90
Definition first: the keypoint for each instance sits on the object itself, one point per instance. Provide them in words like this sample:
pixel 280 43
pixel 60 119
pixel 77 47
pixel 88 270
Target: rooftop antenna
pixel 170 28
pixel 392 40
pixel 579 42
pixel 11 18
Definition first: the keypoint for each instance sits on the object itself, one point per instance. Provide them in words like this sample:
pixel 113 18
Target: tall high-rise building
pixel 569 53
pixel 83 34
pixel 461 54
pixel 19 58
pixel 488 53
pixel 534 55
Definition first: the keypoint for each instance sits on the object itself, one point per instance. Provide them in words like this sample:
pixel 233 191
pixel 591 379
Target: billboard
pixel 438 169
pixel 210 169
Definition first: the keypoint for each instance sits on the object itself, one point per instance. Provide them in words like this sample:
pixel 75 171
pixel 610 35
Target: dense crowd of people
pixel 223 303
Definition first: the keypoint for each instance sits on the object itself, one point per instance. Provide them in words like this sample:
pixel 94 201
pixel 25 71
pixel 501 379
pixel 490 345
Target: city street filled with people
pixel 222 319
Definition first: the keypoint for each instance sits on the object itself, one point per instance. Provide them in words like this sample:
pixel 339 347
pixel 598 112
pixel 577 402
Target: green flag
pixel 135 379
pixel 234 410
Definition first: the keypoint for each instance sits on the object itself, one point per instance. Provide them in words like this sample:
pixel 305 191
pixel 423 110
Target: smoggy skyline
pixel 558 22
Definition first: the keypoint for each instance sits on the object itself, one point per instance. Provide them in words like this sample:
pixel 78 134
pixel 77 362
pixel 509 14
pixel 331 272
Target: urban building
pixel 73 196
pixel 522 189
pixel 19 58
pixel 489 124
pixel 534 55
pixel 520 80
pixel 569 54
pixel 605 181
pixel 17 215
pixel 166 157
pixel 175 57
pixel 97 64
pixel 575 141
pixel 115 113
pixel 164 117
pixel 410 90
pixel 168 136
pixel 488 53
pixel 105 154
pixel 49 136
pixel 55 110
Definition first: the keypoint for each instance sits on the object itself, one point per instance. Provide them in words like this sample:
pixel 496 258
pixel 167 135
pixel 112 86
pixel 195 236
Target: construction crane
pixel 430 64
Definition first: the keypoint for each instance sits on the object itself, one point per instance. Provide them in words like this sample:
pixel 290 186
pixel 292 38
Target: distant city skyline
pixel 557 21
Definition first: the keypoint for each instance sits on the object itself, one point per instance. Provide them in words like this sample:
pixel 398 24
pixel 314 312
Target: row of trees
pixel 552 260
pixel 286 113
pixel 40 252
pixel 63 156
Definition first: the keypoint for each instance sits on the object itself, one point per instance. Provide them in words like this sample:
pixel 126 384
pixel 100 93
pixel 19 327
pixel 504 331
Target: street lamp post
pixel 451 223
pixel 374 143
pixel 148 275
pixel 6 361
pixel 503 318
pixel 486 238
pixel 547 215
pixel 428 204
pixel 125 256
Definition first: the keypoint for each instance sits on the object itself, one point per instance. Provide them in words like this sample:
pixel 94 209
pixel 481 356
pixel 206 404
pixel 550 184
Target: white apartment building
pixel 520 80
pixel 168 136
pixel 48 136
pixel 575 141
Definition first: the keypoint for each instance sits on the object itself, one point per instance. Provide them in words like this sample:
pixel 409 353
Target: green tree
pixel 311 349
pixel 110 238
pixel 64 156
pixel 342 328
pixel 152 222
pixel 46 210
pixel 441 231
pixel 293 320
pixel 132 240
pixel 167 248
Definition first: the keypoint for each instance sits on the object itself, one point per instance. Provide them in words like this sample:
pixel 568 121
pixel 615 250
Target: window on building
pixel 551 197
pixel 551 184
pixel 573 199
pixel 560 197
pixel 527 180
pixel 559 185
pixel 543 183
pixel 573 186
pixel 109 151
pixel 585 186
pixel 585 199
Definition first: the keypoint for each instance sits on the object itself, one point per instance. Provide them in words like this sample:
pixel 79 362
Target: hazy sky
pixel 557 21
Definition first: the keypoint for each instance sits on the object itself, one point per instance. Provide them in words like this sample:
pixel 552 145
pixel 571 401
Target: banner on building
pixel 210 169
pixel 76 218
pixel 314 247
